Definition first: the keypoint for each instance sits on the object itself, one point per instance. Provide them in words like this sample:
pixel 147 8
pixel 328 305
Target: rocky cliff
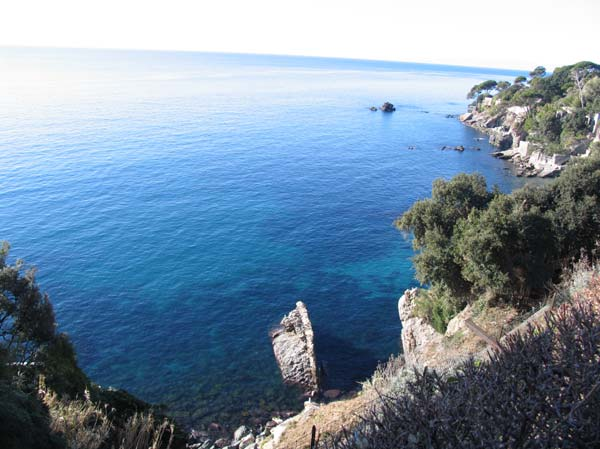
pixel 505 129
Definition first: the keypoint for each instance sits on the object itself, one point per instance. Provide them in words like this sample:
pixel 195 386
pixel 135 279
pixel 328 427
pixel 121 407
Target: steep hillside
pixel 542 122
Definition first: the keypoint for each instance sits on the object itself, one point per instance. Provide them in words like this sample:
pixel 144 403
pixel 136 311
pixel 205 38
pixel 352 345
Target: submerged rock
pixel 373 108
pixel 387 107
pixel 293 345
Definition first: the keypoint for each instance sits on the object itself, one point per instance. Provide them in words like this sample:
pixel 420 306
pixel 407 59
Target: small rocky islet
pixel 385 107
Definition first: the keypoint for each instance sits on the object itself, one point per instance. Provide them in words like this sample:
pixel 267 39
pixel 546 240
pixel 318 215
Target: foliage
pixel 507 249
pixel 432 223
pixel 26 315
pixel 386 377
pixel 545 124
pixel 559 105
pixel 83 424
pixel 478 89
pixel 28 332
pixel 438 306
pixel 539 71
pixel 541 390
pixel 60 368
pixel 24 421
pixel 86 425
pixel 502 85
pixel 574 208
pixel 144 431
pixel 591 93
pixel 474 243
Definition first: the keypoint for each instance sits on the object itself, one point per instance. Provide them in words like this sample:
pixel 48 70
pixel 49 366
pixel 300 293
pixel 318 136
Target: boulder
pixel 387 107
pixel 293 345
pixel 240 432
pixel 493 122
pixel 247 441
pixel 221 442
pixel 466 117
pixel 457 324
pixel 503 141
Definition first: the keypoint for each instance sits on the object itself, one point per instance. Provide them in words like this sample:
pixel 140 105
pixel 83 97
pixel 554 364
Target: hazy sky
pixel 504 33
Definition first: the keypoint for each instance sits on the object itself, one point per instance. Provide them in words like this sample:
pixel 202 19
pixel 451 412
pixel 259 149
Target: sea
pixel 178 204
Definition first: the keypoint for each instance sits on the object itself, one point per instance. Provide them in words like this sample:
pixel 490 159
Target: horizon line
pixel 388 61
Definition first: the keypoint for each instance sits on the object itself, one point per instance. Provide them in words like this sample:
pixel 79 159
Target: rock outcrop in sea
pixel 387 107
pixel 293 345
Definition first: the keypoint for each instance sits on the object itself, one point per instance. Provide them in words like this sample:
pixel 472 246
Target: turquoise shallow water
pixel 178 204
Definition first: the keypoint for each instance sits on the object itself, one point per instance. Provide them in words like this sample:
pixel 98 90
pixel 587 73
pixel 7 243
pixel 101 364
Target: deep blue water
pixel 178 204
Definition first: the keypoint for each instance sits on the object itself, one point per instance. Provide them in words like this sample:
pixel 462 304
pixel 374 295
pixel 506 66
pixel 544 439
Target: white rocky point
pixel 293 345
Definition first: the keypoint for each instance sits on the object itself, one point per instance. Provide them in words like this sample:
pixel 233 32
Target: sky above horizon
pixel 515 34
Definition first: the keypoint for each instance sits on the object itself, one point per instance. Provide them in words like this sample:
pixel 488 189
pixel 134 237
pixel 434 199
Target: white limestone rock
pixel 293 345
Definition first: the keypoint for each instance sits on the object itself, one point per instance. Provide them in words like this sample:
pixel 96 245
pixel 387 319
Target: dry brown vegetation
pixel 87 425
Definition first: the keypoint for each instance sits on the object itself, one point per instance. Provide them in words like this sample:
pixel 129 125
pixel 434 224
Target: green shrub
pixel 438 306
pixel 472 243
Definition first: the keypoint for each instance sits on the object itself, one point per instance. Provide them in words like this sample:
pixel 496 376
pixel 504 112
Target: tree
pixel 26 315
pixel 507 249
pixel 538 72
pixel 578 78
pixel 432 223
pixel 545 124
pixel 28 331
pixel 527 97
pixel 520 79
pixel 484 87
pixel 591 93
pixel 576 208
pixel 502 85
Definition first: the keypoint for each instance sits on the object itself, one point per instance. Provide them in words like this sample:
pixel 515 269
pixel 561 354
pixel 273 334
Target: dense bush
pixel 432 223
pixel 541 391
pixel 473 243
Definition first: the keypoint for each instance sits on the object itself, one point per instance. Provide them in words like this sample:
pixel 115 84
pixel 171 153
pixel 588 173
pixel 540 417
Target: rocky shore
pixel 471 333
pixel 505 130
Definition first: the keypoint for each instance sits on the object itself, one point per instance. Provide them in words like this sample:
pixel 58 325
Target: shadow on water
pixel 344 364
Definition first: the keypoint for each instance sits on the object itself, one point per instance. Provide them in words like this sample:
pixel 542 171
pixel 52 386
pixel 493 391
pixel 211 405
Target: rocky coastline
pixel 505 130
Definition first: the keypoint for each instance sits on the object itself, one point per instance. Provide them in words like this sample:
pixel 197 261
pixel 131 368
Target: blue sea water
pixel 177 205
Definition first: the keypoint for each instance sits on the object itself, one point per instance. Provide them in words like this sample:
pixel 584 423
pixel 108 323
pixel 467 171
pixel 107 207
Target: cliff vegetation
pixel 545 119
pixel 479 245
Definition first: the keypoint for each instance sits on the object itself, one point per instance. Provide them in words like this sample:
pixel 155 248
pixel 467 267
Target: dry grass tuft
pixel 83 424
pixel 141 431
pixel 86 425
